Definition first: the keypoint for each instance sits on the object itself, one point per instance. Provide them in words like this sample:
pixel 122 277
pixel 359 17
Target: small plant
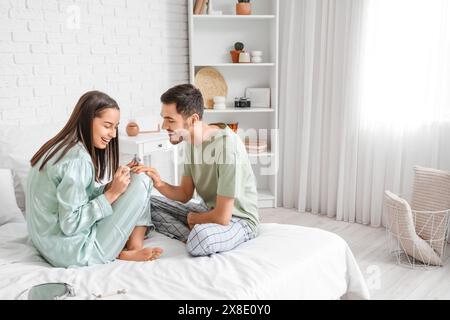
pixel 239 46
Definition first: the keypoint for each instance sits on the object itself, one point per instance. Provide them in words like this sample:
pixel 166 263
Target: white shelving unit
pixel 234 110
pixel 237 65
pixel 234 17
pixel 211 37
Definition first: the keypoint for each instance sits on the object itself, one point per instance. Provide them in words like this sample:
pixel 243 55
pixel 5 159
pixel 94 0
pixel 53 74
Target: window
pixel 406 68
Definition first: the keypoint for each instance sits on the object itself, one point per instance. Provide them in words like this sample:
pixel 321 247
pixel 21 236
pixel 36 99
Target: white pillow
pixel 8 204
pixel 20 171
pixel 17 146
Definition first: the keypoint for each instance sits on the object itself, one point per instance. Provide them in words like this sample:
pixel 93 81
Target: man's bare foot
pixel 145 254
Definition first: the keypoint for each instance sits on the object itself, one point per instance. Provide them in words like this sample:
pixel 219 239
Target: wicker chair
pixel 418 233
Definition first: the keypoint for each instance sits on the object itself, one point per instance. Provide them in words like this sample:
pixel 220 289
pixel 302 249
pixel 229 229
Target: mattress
pixel 283 262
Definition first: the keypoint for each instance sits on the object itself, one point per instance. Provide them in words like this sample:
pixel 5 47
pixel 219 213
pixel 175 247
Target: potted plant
pixel 238 48
pixel 243 7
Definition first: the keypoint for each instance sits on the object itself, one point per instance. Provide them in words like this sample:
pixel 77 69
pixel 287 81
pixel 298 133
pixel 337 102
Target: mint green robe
pixel 70 221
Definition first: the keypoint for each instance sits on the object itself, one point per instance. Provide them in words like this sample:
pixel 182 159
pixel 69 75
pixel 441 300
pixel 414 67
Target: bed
pixel 283 262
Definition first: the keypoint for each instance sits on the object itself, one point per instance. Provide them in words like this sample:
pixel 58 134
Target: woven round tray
pixel 211 83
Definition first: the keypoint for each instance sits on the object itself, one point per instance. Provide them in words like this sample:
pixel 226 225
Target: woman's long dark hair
pixel 79 129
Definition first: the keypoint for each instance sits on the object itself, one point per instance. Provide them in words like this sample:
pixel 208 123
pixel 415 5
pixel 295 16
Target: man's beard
pixel 180 140
pixel 179 134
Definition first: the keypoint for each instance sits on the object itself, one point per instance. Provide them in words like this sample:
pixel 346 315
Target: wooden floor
pixel 385 278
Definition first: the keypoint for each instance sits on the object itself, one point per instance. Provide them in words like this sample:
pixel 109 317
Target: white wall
pixel 51 52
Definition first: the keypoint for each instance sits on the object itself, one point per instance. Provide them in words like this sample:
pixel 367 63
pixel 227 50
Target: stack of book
pixel 256 146
pixel 199 6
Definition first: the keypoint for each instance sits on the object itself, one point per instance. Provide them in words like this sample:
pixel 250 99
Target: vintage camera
pixel 242 103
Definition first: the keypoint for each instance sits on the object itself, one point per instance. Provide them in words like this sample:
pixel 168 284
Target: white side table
pixel 145 145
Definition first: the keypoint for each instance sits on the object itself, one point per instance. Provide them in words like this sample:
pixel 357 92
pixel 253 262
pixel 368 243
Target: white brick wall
pixel 121 47
pixel 131 49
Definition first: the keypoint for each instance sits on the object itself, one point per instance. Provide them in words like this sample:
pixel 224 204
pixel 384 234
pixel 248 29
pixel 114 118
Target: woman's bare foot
pixel 145 254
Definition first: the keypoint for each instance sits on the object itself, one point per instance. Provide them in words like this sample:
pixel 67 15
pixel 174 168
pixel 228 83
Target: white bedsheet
pixel 284 262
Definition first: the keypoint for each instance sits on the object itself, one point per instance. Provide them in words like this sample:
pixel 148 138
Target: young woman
pixel 71 221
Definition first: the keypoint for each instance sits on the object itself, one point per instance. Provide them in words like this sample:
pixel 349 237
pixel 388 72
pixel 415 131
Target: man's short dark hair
pixel 188 99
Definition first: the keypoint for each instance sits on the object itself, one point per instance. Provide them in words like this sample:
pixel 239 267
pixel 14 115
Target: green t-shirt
pixel 220 166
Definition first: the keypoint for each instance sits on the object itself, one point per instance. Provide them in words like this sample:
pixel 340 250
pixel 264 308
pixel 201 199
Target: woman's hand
pixel 151 172
pixel 133 164
pixel 119 184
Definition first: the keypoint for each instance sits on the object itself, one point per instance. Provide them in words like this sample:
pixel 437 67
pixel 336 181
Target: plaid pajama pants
pixel 170 218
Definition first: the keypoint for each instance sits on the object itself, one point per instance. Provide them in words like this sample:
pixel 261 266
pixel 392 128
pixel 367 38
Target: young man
pixel 217 167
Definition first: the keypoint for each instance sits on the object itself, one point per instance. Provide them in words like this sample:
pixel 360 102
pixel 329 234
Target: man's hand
pixel 151 172
pixel 221 214
pixel 191 220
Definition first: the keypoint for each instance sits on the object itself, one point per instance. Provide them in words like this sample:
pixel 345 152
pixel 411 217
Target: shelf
pixel 266 199
pixel 236 65
pixel 261 155
pixel 265 195
pixel 236 110
pixel 233 17
pixel 211 37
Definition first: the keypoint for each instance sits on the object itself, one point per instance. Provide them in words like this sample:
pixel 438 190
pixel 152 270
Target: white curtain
pixel 368 82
